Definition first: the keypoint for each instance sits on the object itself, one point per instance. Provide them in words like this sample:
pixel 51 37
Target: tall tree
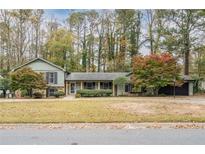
pixel 183 25
pixel 124 19
pixel 5 33
pixel 135 33
pixel 76 21
pixel 36 20
pixel 60 49
pixel 155 22
pixel 92 17
pixel 22 18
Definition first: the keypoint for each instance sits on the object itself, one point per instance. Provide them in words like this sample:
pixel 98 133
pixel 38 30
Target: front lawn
pixel 101 110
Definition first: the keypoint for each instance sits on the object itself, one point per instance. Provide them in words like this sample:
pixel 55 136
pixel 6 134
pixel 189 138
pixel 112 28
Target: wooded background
pixel 102 40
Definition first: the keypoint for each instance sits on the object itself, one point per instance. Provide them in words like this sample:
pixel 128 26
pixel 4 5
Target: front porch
pixel 71 87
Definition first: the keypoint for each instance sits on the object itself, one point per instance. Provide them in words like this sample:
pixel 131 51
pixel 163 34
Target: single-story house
pixel 59 80
pixel 93 80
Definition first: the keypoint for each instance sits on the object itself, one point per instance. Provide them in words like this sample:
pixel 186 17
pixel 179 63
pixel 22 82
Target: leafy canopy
pixel 154 71
pixel 60 49
pixel 26 79
pixel 5 84
pixel 121 81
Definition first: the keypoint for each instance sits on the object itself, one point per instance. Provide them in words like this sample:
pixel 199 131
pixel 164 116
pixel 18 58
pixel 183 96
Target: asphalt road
pixel 69 136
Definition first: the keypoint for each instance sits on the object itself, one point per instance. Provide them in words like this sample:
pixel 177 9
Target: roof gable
pixel 38 59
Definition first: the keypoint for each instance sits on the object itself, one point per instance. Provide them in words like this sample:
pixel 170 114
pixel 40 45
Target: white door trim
pixel 71 92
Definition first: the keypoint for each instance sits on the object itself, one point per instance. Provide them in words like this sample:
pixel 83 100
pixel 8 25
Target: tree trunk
pixel 99 53
pixel 186 65
pixel 187 53
pixel 89 57
pixel 151 39
pixel 36 43
pixel 84 58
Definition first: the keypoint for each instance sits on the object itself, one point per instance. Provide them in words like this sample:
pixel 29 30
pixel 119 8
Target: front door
pixel 72 88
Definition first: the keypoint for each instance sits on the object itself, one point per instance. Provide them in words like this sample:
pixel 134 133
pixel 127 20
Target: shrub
pixel 94 93
pixel 27 79
pixel 162 95
pixel 77 95
pixel 58 94
pixel 37 95
pixel 24 93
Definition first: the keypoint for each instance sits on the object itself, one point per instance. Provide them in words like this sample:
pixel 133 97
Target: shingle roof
pixel 95 76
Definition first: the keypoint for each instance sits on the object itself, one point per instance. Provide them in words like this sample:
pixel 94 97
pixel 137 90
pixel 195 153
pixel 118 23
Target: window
pixel 51 77
pixel 51 91
pixel 128 88
pixel 105 85
pixel 78 86
pixel 89 85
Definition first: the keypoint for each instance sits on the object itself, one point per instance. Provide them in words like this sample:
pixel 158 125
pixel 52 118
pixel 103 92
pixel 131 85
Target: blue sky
pixel 59 14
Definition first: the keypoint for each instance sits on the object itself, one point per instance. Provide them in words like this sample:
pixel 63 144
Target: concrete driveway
pixel 26 134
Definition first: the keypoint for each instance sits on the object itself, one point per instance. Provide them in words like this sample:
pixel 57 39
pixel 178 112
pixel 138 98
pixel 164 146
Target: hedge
pixel 58 94
pixel 94 93
pixel 37 95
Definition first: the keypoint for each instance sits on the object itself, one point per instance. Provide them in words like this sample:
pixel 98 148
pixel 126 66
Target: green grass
pixel 80 111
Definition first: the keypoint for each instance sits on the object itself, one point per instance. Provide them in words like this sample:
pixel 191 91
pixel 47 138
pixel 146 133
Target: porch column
pixel 69 88
pixel 98 84
pixel 113 88
pixel 81 85
pixel 66 88
pixel 190 88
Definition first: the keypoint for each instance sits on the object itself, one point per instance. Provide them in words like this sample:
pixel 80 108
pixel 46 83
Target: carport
pixel 184 90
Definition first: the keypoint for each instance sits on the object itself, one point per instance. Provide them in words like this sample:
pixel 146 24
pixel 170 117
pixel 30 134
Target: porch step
pixel 69 97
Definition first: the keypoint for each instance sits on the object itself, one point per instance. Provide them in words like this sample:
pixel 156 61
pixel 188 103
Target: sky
pixel 59 14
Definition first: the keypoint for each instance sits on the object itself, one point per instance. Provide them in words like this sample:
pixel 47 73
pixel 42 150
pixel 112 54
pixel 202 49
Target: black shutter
pixel 55 77
pixel 47 77
pixel 126 88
